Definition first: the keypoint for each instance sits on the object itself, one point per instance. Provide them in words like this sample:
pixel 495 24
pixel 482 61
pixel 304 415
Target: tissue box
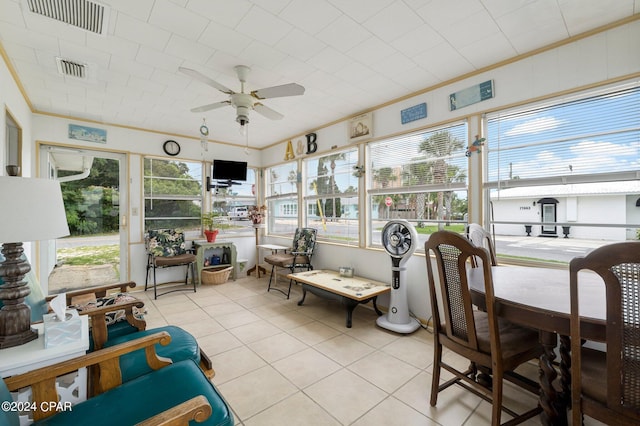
pixel 58 332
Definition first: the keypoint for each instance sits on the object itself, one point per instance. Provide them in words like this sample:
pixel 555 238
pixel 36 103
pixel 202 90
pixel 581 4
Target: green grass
pixel 430 229
pixel 89 255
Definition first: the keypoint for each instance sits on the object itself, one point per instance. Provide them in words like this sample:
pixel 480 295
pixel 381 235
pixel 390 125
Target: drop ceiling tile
pixel 273 6
pixel 177 20
pixel 21 52
pixel 361 10
pixel 441 15
pixel 587 14
pixel 394 65
pixel 158 59
pixel 371 51
pixel 188 50
pixel 343 34
pixel 310 16
pixel 224 12
pixel 415 79
pixel 469 29
pixel 131 67
pixel 417 40
pixel 225 39
pixel 139 9
pixel 264 26
pixel 448 63
pixel 11 13
pixel 258 53
pixel 141 32
pixel 329 60
pixel 353 72
pixel 393 22
pixel 294 69
pixel 113 45
pixel 300 45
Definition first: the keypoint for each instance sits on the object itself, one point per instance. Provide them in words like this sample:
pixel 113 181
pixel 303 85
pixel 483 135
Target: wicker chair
pixel 599 387
pixel 299 256
pixel 166 249
pixel 481 337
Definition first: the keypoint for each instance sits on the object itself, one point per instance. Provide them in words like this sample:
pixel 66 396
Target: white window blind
pixel 282 198
pixel 592 139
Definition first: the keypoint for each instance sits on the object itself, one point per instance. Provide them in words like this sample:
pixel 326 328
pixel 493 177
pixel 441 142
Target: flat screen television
pixel 229 170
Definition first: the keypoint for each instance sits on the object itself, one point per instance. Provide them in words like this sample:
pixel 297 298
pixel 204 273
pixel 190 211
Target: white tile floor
pixel 278 363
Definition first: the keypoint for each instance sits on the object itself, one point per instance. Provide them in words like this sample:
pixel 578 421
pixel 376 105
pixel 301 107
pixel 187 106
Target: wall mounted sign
pixel 471 95
pixel 89 134
pixel 413 113
pixel 361 127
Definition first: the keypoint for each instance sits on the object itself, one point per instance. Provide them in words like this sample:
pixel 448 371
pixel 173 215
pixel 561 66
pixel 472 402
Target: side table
pixel 225 250
pixel 32 355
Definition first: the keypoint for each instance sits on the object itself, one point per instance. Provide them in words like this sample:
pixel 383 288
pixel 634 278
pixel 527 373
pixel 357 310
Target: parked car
pixel 239 213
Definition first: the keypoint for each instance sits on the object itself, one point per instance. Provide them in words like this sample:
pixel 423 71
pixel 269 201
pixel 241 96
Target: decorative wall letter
pixel 289 155
pixel 312 146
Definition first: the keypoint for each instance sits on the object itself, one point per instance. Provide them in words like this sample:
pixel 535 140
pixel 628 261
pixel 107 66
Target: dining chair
pixel 480 237
pixel 298 256
pixel 605 384
pixel 482 337
pixel 165 249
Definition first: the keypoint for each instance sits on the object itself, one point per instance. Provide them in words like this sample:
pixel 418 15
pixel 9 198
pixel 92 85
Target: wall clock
pixel 171 148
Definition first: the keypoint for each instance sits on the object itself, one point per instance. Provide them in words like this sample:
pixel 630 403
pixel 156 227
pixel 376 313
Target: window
pixel 420 177
pixel 282 198
pixel 13 143
pixel 173 195
pixel 583 153
pixel 332 196
pixel 232 204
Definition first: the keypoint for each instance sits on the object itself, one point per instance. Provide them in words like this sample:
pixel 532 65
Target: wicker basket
pixel 216 276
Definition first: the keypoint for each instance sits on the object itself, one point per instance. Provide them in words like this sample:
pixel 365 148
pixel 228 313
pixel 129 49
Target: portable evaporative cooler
pixel 399 239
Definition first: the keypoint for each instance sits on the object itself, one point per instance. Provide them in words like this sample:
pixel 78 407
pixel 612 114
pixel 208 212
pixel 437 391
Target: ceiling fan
pixel 245 102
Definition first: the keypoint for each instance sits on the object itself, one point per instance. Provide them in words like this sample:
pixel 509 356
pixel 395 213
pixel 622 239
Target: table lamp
pixel 31 209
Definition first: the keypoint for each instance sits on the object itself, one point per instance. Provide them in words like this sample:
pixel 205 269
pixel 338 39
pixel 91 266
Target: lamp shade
pixel 31 209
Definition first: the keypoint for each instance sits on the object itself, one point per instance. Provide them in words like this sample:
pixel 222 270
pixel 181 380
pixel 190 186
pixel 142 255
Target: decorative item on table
pixel 209 223
pixel 215 260
pixel 257 214
pixel 346 271
pixel 33 211
pixel 63 326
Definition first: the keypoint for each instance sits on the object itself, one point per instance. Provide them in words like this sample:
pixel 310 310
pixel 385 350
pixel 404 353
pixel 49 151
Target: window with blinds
pixel 567 168
pixel 173 195
pixel 282 198
pixel 331 196
pixel 421 177
pixel 230 203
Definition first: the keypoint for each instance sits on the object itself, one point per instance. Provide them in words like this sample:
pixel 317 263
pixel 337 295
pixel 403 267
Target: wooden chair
pixel 482 337
pixel 606 385
pixel 299 256
pixel 165 249
pixel 480 237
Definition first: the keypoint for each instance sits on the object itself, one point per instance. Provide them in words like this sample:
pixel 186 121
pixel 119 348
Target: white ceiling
pixel 350 55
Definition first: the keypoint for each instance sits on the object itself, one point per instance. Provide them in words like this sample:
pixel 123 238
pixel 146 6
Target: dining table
pixel 539 298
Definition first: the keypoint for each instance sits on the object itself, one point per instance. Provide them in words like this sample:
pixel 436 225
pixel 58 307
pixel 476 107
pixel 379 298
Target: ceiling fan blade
pixel 291 89
pixel 267 112
pixel 209 107
pixel 203 78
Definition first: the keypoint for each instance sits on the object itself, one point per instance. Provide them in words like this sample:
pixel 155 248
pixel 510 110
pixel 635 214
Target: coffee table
pixel 351 291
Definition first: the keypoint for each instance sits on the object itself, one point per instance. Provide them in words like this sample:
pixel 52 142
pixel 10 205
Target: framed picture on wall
pixel 361 127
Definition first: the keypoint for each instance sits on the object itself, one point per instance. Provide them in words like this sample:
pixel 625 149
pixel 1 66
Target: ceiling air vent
pixel 71 68
pixel 85 14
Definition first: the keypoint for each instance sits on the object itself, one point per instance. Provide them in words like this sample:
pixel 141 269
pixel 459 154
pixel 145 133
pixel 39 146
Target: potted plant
pixel 256 214
pixel 208 222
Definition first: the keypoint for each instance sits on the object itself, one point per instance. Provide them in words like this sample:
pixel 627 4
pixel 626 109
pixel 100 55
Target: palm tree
pixel 383 176
pixel 439 147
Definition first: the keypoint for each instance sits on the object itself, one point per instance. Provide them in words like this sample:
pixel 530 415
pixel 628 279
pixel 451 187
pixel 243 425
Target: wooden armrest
pixel 43 380
pixel 99 331
pixel 100 291
pixel 197 408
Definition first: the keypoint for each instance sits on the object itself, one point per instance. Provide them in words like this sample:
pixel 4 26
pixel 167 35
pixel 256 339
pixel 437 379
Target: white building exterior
pixel 606 203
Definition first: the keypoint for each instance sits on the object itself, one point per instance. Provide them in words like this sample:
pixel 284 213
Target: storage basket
pixel 216 276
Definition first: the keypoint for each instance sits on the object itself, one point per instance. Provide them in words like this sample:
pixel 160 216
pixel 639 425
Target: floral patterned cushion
pixel 304 240
pixel 113 299
pixel 165 242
